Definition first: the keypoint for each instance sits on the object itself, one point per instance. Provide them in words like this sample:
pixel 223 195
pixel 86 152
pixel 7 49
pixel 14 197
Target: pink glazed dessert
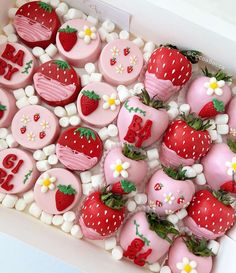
pixel 7 108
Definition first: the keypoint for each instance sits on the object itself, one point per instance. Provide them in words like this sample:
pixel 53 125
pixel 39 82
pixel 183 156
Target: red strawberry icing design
pixel 37 23
pixel 65 196
pixel 57 83
pixel 79 148
pixel 89 102
pixel 68 37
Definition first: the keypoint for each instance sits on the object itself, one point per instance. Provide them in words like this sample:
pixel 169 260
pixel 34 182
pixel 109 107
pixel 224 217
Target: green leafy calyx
pixel 68 29
pixel 3 107
pixel 133 152
pixel 232 145
pixel 91 94
pixel 198 246
pixel 127 186
pixel 195 122
pixel 62 64
pixel 45 7
pixel 223 197
pixel 219 75
pixel 67 190
pixel 152 102
pixel 218 105
pixel 112 200
pixel 177 174
pixel 88 133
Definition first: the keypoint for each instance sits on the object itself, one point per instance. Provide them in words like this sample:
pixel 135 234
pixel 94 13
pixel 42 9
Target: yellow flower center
pixel 234 166
pixel 214 85
pixel 111 101
pixel 119 168
pixel 46 182
pixel 187 268
pixel 88 32
pixel 168 198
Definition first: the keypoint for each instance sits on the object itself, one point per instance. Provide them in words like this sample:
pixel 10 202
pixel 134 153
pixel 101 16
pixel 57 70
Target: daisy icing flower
pixel 46 182
pixel 231 166
pixel 115 51
pixel 88 34
pixel 31 136
pixel 187 266
pixel 168 198
pixel 25 119
pixel 110 102
pixel 44 124
pixel 120 168
pixel 214 87
pixel 119 69
pixel 133 60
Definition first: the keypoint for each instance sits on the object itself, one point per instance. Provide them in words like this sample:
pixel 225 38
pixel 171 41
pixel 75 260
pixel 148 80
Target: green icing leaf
pixel 3 107
pixel 45 7
pixel 131 109
pixel 68 190
pixel 219 105
pixel 27 176
pixel 28 66
pixel 91 94
pixel 68 29
pixel 127 186
pixel 88 133
pixel 62 64
pixel 140 235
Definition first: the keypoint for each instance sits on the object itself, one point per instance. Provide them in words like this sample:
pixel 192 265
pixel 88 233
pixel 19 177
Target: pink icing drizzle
pixel 31 30
pixel 74 160
pixel 52 90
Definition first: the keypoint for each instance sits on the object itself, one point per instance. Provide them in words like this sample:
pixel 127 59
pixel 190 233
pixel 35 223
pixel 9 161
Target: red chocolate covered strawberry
pixel 65 196
pixel 68 37
pixel 79 148
pixel 89 102
pixel 185 141
pixel 37 23
pixel 57 83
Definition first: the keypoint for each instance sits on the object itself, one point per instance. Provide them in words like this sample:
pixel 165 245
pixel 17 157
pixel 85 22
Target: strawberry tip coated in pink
pixel 7 108
pixel 232 117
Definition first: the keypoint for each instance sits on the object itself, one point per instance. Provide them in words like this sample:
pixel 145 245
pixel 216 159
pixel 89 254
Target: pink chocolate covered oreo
pixel 57 191
pixel 78 42
pixel 98 104
pixel 7 108
pixel 16 66
pixel 120 62
pixel 35 127
pixel 17 171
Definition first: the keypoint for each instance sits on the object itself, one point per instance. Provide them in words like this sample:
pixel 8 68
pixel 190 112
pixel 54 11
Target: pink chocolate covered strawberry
pixel 57 83
pixel 126 163
pixel 185 141
pixel 169 190
pixel 210 214
pixel 168 70
pixel 208 95
pixel 190 255
pixel 232 118
pixel 37 23
pixel 142 120
pixel 145 238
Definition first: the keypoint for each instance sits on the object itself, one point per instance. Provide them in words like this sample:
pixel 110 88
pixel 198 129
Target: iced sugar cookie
pixel 7 108
pixel 121 62
pixel 17 171
pixel 79 148
pixel 34 127
pixel 16 66
pixel 36 23
pixel 98 104
pixel 57 83
pixel 78 42
pixel 57 191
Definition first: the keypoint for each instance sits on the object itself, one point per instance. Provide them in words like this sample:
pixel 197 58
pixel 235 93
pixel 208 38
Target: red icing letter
pixel 3 66
pixel 19 57
pixel 141 258
pixel 8 52
pixel 8 161
pixel 144 133
pixel 6 186
pixel 3 174
pixel 132 250
pixel 18 166
pixel 135 125
pixel 11 71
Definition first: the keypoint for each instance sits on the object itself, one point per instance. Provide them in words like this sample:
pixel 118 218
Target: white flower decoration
pixel 187 266
pixel 231 166
pixel 110 102
pixel 168 198
pixel 119 69
pixel 88 34
pixel 115 51
pixel 133 60
pixel 120 168
pixel 46 182
pixel 214 87
pixel 31 136
pixel 25 119
pixel 44 124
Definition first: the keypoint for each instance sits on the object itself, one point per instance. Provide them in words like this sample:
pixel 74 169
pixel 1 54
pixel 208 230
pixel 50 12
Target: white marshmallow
pixel 75 120
pixel 69 216
pixel 64 122
pixel 149 47
pixel 155 267
pixel 51 50
pixel 33 100
pixel 234 90
pixel 54 3
pixel 43 165
pixel 53 159
pixel 20 204
pixel 38 51
pixel 213 125
pixel 97 181
pixel 12 38
pixel 71 109
pixel 39 155
pixel 165 269
pixel 60 111
pixel 123 93
pixel 46 218
pixel 3 133
pixel 103 133
pixel 139 42
pixel 49 150
pixel 76 232
pixel 131 206
pixel 95 77
pixel 28 197
pixel 73 14
pixel 57 220
pixel 22 102
pixel 147 56
pixel 9 201
pixel 92 20
pixel 111 37
pixel 34 210
pixel 20 3
pixel 2 196
pixel 124 35
pixel 221 119
pixel 138 87
pixel 19 93
pixel 62 9
pixel 223 129
pixel 152 154
pixel 117 253
pixel 181 214
pixel 85 177
pixel 87 188
pixel 112 130
pixel 44 58
pixel 3 144
pixel 102 33
pixel 173 113
pixel 198 168
pixel 200 179
pixel 219 139
pixel 173 104
pixel 153 164
pixel 90 68
pixel 11 142
pixel 9 29
pixel 173 218
pixel 140 198
pixel 213 134
pixel 132 194
pixel 108 25
pixel 29 90
pixel 66 226
pixel 85 79
pixel 190 172
pixel 109 144
pixel 12 12
pixel 184 108
pixel 214 246
pixel 110 243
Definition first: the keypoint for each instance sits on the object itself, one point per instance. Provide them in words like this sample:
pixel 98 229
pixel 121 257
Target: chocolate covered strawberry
pixel 169 190
pixel 64 196
pixel 126 163
pixel 190 255
pixel 37 23
pixel 168 70
pixel 185 141
pixel 89 102
pixel 209 95
pixel 79 148
pixel 68 37
pixel 2 109
pixel 210 214
pixel 145 238
pixel 232 118
pixel 142 120
pixel 57 83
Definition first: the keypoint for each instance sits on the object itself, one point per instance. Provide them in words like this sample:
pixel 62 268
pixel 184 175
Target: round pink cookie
pixel 57 191
pixel 121 62
pixel 91 103
pixel 232 117
pixel 17 171
pixel 7 108
pixel 16 66
pixel 79 52
pixel 35 127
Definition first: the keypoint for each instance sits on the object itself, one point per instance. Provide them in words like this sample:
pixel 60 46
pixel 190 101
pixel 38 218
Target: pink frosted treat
pixel 169 190
pixel 140 240
pixel 35 127
pixel 208 95
pixel 78 42
pixel 220 167
pixel 190 255
pixel 98 104
pixel 16 66
pixel 142 121
pixel 232 117
pixel 17 171
pixel 125 163
pixel 120 62
pixel 57 191
pixel 7 108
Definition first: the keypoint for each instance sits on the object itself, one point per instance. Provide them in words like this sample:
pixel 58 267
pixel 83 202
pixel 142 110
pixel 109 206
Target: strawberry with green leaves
pixel 65 196
pixel 123 187
pixel 68 37
pixel 89 102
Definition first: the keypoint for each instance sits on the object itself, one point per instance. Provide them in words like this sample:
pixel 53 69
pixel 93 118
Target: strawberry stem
pixel 68 29
pixel 219 75
pixel 112 200
pixel 218 105
pixel 177 174
pixel 133 152
pixel 127 186
pixel 62 64
pixel 223 197
pixel 195 122
pixel 232 145
pixel 67 190
pixel 45 7
pixel 145 98
pixel 198 246
pixel 88 133
pixel 91 94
